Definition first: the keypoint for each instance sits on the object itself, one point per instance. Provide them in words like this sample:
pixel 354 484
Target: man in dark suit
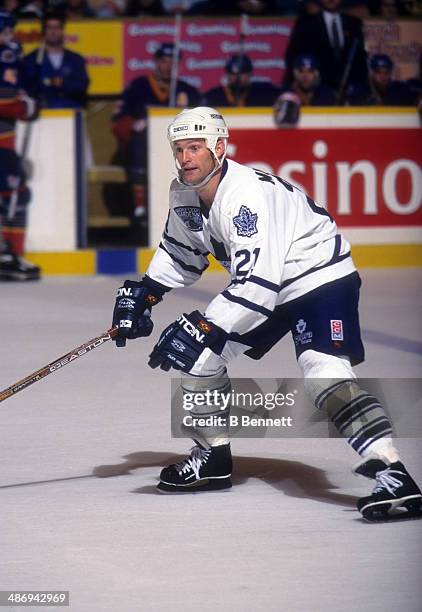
pixel 336 40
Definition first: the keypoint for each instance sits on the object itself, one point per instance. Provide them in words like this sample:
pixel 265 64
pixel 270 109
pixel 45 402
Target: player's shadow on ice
pixel 293 478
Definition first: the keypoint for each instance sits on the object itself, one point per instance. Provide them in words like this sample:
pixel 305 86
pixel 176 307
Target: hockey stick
pixel 55 365
pixel 242 41
pixel 175 62
pixel 346 73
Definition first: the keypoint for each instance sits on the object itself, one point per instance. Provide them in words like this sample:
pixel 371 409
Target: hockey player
pixel 14 192
pixel 381 89
pixel 129 121
pixel 240 90
pixel 305 90
pixel 289 267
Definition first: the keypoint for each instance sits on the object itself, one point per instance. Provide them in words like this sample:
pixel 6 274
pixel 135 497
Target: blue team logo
pixel 191 217
pixel 245 222
pixel 301 326
pixel 303 335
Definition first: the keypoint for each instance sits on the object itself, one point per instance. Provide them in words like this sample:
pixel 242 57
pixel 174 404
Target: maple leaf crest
pixel 245 222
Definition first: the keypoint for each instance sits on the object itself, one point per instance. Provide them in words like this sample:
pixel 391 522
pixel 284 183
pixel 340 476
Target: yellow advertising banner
pixel 401 40
pixel 100 42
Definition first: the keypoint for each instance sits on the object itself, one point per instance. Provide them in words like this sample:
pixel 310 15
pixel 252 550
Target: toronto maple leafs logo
pixel 245 222
pixel 191 217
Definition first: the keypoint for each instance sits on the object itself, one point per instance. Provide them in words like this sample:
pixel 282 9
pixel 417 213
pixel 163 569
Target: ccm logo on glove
pixel 194 331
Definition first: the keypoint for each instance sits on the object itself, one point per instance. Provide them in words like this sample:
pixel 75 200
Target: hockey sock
pixel 383 448
pixel 356 414
pixel 15 239
pixel 206 400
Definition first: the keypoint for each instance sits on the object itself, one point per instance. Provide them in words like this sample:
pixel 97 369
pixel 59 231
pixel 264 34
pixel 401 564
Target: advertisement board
pixel 401 40
pixel 119 51
pixel 206 46
pixel 365 178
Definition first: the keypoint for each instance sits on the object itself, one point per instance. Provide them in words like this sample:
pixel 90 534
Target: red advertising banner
pixel 365 178
pixel 206 46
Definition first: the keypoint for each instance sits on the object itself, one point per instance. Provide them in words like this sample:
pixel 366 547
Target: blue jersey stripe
pixel 183 246
pixel 182 264
pixel 257 280
pixel 246 304
pixel 330 263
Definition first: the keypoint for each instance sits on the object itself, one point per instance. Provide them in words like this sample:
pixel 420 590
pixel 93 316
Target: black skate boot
pixel 14 268
pixel 206 469
pixel 396 495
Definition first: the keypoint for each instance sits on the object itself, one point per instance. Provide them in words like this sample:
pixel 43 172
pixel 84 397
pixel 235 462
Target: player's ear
pixel 220 147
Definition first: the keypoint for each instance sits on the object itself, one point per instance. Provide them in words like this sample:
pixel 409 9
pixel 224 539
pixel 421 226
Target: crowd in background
pixel 106 9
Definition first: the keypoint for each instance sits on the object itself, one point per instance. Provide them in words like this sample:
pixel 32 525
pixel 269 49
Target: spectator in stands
pixel 357 8
pixel 33 9
pixel 144 7
pixel 77 9
pixel 186 7
pixel 292 7
pixel 389 10
pixel 336 40
pixel 381 89
pixel 106 9
pixel 393 9
pixel 12 7
pixel 239 89
pixel 129 122
pixel 248 7
pixel 305 90
pixel 53 74
pixel 415 84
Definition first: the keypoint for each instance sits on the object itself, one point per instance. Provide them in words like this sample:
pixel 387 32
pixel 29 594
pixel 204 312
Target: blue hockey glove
pixel 132 311
pixel 182 342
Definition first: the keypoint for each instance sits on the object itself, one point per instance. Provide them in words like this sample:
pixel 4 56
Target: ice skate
pixel 206 469
pixel 396 495
pixel 15 268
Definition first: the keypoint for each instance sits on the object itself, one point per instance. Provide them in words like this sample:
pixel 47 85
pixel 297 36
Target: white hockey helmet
pixel 200 122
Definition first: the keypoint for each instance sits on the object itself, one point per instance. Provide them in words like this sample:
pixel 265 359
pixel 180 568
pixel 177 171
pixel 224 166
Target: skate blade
pixel 19 278
pixel 385 513
pixel 199 486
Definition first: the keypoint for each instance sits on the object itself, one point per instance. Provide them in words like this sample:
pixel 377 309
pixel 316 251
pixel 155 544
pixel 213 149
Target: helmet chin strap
pixel 209 176
pixel 203 182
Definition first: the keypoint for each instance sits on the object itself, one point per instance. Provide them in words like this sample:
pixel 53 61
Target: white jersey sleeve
pixel 181 257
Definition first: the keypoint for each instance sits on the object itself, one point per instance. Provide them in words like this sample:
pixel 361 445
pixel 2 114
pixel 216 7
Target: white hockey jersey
pixel 276 243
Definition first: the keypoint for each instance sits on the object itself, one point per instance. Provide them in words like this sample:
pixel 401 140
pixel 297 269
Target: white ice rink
pixel 287 537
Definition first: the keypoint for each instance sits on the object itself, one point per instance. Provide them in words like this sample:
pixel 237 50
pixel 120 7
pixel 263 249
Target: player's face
pixel 239 80
pixel 163 66
pixel 195 160
pixel 381 78
pixel 306 78
pixel 6 35
pixel 54 34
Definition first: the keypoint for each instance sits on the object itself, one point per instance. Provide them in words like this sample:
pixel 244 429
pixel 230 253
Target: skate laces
pixel 194 462
pixel 386 480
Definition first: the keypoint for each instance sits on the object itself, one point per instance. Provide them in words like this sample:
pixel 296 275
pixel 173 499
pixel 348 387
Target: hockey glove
pixel 182 342
pixel 132 311
pixel 286 111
